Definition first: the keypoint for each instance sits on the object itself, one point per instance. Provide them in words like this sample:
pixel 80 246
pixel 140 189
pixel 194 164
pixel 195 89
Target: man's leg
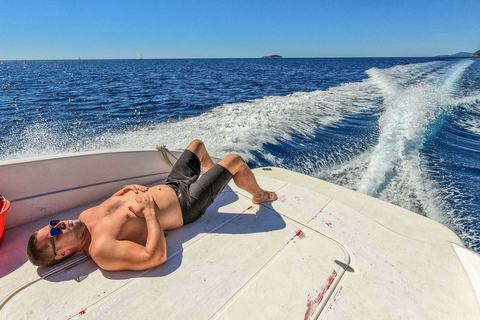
pixel 242 175
pixel 198 147
pixel 244 178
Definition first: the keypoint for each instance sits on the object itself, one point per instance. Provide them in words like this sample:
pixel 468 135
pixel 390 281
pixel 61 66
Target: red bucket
pixel 4 206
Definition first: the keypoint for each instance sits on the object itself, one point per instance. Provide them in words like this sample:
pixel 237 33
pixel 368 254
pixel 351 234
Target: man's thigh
pixel 204 191
pixel 186 169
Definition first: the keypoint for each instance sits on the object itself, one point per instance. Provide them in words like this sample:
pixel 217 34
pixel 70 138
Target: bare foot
pixel 267 196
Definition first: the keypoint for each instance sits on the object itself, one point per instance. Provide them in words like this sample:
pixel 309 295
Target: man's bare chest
pixel 116 221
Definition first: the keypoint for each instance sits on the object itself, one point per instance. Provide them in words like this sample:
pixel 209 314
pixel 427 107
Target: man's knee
pixel 234 159
pixel 196 145
pixel 233 162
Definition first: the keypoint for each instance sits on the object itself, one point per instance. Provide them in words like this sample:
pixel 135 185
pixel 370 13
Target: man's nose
pixel 61 225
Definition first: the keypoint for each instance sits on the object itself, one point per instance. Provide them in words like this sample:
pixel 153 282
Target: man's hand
pixel 145 205
pixel 132 187
pixel 112 254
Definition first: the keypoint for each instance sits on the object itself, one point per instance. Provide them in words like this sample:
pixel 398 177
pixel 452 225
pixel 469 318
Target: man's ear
pixel 62 254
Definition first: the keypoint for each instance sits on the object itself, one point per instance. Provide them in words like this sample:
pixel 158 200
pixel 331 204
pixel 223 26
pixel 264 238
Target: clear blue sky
pixel 102 29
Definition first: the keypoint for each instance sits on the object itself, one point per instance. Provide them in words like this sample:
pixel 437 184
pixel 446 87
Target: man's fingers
pixel 136 211
pixel 135 188
pixel 145 205
pixel 149 199
pixel 144 198
pixel 140 198
pixel 140 188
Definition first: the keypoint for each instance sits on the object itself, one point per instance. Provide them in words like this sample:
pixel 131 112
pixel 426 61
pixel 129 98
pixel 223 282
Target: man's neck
pixel 87 239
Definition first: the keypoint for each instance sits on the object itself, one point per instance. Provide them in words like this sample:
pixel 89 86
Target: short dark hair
pixel 41 257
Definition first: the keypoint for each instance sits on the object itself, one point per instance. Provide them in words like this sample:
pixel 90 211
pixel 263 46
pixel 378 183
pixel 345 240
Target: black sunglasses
pixel 54 232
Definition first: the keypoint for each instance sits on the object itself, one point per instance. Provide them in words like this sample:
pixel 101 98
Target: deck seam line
pixel 261 270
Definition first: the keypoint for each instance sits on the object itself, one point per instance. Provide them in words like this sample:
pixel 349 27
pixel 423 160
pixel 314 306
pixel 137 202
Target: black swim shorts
pixel 196 195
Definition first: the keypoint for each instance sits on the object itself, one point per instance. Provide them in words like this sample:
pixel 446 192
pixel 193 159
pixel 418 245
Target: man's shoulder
pixel 101 244
pixel 87 214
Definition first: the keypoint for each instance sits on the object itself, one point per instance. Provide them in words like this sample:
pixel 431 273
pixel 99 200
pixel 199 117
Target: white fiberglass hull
pixel 280 260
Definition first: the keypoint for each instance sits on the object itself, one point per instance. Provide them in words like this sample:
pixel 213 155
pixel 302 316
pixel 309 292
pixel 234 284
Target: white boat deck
pixel 269 261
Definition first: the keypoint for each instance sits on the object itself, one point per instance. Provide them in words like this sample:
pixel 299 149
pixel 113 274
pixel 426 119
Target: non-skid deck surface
pixel 238 261
pixel 271 261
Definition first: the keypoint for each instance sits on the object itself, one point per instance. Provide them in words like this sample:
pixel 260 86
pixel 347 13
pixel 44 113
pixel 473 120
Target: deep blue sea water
pixel 406 130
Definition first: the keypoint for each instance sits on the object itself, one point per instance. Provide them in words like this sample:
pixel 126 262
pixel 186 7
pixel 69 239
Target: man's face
pixel 70 238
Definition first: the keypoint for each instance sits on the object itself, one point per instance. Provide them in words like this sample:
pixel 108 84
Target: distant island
pixel 273 56
pixel 457 55
pixel 476 54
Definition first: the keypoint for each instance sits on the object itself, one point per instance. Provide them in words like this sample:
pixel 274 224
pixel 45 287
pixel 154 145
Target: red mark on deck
pixel 81 313
pixel 335 299
pixel 312 304
pixel 328 224
pixel 300 235
pixel 249 208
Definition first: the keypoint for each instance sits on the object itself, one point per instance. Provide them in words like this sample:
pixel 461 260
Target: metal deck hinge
pixel 344 266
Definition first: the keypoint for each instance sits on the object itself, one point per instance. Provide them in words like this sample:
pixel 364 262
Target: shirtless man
pixel 125 232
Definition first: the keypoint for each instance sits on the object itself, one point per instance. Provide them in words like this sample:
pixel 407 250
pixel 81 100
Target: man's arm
pixel 126 255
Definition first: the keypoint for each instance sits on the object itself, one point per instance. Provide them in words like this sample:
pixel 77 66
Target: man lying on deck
pixel 125 232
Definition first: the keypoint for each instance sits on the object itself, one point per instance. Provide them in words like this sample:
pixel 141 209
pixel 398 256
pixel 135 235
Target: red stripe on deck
pixel 81 313
pixel 249 208
pixel 300 235
pixel 313 304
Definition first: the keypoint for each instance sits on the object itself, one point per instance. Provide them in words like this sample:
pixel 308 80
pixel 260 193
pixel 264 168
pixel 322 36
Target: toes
pixel 267 196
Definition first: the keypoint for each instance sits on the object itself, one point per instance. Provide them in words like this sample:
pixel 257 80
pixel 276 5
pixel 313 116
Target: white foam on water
pixel 473 125
pixel 41 139
pixel 244 128
pixel 241 128
pixel 471 122
pixel 36 140
pixel 408 110
pixel 414 97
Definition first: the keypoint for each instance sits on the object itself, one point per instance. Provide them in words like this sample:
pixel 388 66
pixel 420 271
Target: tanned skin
pixel 126 232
